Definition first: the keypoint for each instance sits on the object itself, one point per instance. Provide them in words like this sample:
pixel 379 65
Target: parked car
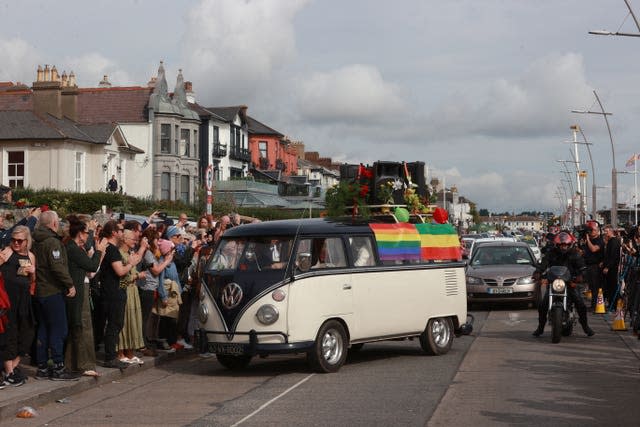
pixel 534 247
pixel 501 271
pixel 488 240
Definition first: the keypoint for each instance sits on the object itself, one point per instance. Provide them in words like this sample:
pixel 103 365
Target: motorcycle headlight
pixel 267 314
pixel 203 313
pixel 558 285
pixel 474 280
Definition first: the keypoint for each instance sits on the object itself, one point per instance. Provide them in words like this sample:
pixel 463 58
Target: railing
pixel 219 150
pixel 281 165
pixel 241 154
pixel 264 163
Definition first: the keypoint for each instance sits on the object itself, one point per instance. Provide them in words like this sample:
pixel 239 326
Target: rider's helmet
pixel 563 241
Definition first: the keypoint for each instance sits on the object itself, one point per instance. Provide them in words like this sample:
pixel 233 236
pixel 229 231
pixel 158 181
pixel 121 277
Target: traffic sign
pixel 208 178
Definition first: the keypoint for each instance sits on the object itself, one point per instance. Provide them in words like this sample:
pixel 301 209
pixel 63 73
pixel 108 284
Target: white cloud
pixel 91 67
pixel 538 102
pixel 234 47
pixel 355 93
pixel 18 57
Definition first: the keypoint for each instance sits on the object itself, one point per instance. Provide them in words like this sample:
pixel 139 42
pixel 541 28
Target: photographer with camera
pixel 592 246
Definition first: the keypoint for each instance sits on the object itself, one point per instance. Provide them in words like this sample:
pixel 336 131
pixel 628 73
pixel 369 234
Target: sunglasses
pixel 19 241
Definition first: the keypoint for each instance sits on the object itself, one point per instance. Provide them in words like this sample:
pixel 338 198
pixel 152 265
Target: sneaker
pixel 136 360
pixel 14 380
pixel 177 346
pixel 126 360
pixel 64 375
pixel 184 344
pixel 43 374
pixel 17 371
pixel 116 364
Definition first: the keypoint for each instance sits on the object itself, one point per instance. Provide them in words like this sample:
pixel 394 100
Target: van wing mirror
pixel 303 261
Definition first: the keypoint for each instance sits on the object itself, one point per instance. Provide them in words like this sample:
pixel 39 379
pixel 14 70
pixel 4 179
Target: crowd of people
pixel 120 288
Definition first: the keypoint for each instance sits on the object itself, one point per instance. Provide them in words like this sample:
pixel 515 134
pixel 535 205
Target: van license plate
pixel 500 290
pixel 226 348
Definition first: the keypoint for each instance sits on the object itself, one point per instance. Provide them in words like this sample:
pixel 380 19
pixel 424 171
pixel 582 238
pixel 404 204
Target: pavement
pixel 36 393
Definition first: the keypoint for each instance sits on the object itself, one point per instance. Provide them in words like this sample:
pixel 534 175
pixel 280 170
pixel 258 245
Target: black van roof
pixel 309 226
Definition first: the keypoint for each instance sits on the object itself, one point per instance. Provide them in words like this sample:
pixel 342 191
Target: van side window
pixel 325 252
pixel 361 251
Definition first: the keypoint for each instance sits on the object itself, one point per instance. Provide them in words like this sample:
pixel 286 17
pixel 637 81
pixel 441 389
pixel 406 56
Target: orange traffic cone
pixel 618 322
pixel 600 303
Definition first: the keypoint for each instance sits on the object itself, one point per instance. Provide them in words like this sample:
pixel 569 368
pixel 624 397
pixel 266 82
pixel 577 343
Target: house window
pixel 233 140
pixel 176 140
pixel 262 146
pixel 165 186
pixel 184 188
pixel 165 138
pixel 185 143
pixel 79 168
pixel 235 173
pixel 216 135
pixel 195 143
pixel 15 169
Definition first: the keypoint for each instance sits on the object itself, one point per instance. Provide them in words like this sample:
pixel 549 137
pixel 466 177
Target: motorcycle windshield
pixel 559 272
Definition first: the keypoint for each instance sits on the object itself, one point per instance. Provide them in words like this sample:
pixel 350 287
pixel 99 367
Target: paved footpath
pixel 509 377
pixel 36 393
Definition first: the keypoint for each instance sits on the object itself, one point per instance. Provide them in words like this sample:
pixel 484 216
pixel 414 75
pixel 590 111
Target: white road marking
pixel 299 383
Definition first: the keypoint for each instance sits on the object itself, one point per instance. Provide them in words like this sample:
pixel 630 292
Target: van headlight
pixel 267 314
pixel 558 285
pixel 203 313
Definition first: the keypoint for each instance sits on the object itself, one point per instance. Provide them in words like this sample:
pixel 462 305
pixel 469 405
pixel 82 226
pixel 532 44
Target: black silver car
pixel 501 271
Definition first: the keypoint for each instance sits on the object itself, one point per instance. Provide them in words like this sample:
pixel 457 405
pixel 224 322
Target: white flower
pixel 398 184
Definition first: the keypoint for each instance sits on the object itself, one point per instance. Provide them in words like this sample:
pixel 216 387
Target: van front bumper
pixel 253 347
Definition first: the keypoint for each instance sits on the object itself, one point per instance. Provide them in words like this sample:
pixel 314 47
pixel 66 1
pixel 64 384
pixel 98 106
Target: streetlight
pixel 617 33
pixel 575 128
pixel 614 177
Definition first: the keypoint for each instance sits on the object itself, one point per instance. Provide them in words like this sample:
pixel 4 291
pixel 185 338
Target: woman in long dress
pixel 131 336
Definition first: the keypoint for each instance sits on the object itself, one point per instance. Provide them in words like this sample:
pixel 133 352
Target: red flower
pixel 367 173
pixel 364 190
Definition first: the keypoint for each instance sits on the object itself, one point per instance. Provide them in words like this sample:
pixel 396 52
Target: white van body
pixel 323 311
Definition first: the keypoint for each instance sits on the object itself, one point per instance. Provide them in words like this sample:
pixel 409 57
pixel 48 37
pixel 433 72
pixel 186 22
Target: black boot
pixel 538 331
pixel 587 330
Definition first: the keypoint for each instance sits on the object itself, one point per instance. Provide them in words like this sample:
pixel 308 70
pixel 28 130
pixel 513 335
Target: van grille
pixel 451 283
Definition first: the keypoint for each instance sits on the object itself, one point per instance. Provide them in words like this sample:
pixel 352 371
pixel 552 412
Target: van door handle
pixel 346 286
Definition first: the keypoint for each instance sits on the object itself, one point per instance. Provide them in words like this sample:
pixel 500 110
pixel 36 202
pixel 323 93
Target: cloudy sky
pixel 480 90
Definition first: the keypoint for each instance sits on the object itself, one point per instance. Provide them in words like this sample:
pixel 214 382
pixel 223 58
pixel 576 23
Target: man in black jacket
pixel 563 254
pixel 610 264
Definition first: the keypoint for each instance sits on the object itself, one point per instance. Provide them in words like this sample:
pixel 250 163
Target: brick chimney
pixel 47 93
pixel 70 97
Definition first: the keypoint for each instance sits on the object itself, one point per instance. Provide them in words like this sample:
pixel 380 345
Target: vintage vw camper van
pixel 321 286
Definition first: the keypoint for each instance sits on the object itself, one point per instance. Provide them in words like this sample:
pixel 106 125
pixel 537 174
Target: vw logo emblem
pixel 231 296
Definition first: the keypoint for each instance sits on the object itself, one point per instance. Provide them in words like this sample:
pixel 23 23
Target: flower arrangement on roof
pixel 350 195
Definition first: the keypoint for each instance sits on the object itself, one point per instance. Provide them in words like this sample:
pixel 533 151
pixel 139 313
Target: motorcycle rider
pixel 563 254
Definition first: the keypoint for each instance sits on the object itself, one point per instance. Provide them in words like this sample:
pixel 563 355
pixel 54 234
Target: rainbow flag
pixel 397 242
pixel 438 242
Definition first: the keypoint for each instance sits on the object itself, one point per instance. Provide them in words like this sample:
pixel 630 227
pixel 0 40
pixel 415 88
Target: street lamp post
pixel 614 174
pixel 593 171
pixel 617 33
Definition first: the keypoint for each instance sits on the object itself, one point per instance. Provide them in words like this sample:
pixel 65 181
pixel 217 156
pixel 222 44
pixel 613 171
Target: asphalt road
pixel 499 376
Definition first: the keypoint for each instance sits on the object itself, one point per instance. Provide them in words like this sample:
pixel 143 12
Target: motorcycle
pixel 561 312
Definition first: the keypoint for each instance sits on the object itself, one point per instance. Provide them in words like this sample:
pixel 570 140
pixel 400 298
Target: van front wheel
pixel 437 337
pixel 330 349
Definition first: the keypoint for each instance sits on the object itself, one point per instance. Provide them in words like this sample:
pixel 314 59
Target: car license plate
pixel 500 291
pixel 226 348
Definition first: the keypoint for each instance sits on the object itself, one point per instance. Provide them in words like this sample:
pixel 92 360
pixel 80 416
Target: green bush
pixel 66 202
